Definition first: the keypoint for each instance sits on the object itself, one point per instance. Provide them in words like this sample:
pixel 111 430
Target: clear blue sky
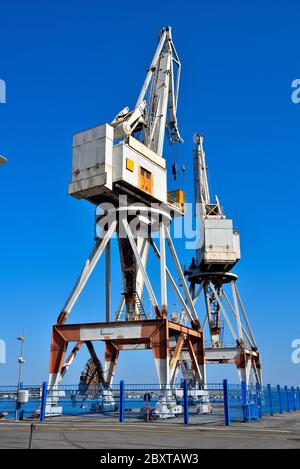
pixel 71 65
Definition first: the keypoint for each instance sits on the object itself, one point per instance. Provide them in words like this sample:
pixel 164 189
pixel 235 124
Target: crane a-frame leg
pixel 110 361
pixel 243 351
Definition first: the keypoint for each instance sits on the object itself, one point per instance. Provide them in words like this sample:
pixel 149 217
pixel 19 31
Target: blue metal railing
pixel 217 402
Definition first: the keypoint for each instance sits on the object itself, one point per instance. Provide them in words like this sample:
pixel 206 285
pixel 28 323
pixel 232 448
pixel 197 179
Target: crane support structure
pixel 217 252
pixel 120 168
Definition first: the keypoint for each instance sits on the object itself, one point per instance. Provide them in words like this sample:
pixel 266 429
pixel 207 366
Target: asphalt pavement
pixel 280 432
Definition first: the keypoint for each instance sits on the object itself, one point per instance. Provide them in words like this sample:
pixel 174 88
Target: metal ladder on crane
pixel 140 306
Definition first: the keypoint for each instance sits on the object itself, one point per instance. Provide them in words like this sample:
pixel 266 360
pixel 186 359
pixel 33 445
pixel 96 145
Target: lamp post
pixel 21 362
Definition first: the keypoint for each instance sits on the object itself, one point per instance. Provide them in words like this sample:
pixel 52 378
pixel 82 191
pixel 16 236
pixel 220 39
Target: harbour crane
pixel 120 168
pixel 217 252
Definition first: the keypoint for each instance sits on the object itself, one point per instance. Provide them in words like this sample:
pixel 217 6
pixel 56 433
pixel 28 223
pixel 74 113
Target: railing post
pixel 270 400
pixel 185 402
pixel 279 399
pixel 258 398
pixel 226 403
pixel 18 404
pixel 294 398
pixel 43 401
pixel 287 398
pixel 298 394
pixel 121 402
pixel 244 400
pixel 32 429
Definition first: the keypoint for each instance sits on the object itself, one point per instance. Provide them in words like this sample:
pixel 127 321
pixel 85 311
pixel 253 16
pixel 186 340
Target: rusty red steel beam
pixel 71 332
pixel 155 334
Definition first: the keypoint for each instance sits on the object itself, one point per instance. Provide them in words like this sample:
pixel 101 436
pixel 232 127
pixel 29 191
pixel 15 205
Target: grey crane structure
pixel 120 169
pixel 124 160
pixel 217 252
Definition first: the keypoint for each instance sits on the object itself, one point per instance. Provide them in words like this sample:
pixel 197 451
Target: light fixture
pixel 2 159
